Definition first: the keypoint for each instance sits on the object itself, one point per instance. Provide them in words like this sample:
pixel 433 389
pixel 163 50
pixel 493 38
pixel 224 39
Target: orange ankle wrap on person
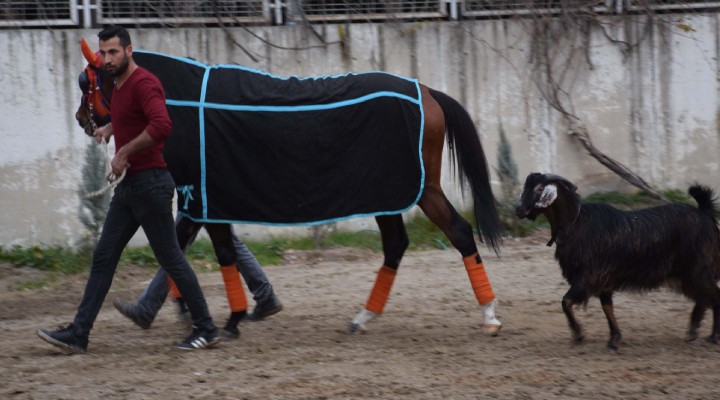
pixel 478 279
pixel 234 288
pixel 381 290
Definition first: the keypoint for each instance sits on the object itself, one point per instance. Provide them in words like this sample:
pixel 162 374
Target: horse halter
pixel 93 99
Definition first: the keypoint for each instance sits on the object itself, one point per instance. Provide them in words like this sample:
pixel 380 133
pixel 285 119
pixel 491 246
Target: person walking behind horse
pixel 143 198
pixel 147 306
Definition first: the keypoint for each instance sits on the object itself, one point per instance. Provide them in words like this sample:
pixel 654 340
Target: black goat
pixel 601 249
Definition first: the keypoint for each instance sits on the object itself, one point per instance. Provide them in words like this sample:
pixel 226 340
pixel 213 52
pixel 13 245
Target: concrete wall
pixel 654 109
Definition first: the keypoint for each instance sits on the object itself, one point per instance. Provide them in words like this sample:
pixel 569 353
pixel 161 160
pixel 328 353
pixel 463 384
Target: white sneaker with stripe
pixel 200 340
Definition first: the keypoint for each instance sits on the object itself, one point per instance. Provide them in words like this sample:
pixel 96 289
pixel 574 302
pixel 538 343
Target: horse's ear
pixel 88 52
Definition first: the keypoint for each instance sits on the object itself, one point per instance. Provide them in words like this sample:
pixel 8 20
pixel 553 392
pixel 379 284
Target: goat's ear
pixel 547 197
pixel 559 179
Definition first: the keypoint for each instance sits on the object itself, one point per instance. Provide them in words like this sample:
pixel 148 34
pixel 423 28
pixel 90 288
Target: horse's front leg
pixel 395 242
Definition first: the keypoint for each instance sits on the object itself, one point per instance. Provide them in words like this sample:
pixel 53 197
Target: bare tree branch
pixel 577 129
pixel 550 75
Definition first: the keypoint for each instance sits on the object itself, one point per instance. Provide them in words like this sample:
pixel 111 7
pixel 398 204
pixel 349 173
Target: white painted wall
pixel 654 110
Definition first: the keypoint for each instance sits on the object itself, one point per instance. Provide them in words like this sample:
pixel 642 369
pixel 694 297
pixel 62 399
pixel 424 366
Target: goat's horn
pixel 553 177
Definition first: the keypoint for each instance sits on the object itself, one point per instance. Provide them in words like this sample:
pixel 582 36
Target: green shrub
pixel 53 259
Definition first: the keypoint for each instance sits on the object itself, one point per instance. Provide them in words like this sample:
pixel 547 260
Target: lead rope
pixel 112 179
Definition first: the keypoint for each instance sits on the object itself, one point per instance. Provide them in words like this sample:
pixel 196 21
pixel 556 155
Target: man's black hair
pixel 110 31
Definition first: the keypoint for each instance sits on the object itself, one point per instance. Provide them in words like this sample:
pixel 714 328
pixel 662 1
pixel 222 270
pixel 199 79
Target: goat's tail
pixel 467 153
pixel 705 198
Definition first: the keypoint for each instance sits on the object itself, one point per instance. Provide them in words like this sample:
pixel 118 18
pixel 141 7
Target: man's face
pixel 115 58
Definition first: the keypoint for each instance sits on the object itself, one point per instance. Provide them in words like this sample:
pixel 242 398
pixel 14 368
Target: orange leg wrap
pixel 381 290
pixel 234 288
pixel 478 279
pixel 173 289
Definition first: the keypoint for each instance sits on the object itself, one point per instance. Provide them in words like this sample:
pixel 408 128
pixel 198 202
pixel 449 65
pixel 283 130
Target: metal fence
pixel 132 12
pixel 38 13
pixel 483 8
pixel 92 13
pixel 367 10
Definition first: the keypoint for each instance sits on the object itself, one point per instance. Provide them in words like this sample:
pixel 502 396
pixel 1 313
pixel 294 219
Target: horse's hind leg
pixel 395 242
pixel 436 206
pixel 221 237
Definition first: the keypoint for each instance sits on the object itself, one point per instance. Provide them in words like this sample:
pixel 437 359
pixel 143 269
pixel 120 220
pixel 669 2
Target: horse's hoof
pixel 712 339
pixel 691 336
pixel 578 337
pixel 612 344
pixel 358 324
pixel 492 329
pixel 491 324
pixel 354 328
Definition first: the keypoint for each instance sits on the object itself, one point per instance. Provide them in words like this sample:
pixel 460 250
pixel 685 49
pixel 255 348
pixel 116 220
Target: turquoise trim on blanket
pixel 201 104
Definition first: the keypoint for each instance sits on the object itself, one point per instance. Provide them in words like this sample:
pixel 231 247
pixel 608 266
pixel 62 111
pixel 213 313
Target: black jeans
pixel 142 200
pixel 152 299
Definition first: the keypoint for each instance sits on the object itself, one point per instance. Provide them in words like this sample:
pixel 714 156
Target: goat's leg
pixel 572 297
pixel 608 309
pixel 696 317
pixel 715 334
pixel 715 302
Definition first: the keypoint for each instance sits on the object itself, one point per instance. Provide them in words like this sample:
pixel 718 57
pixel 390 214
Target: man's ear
pixel 128 50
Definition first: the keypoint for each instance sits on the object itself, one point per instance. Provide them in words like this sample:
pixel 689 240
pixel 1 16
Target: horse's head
pixel 96 87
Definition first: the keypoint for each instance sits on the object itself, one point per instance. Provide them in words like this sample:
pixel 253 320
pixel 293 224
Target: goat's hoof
pixel 691 336
pixel 492 329
pixel 712 339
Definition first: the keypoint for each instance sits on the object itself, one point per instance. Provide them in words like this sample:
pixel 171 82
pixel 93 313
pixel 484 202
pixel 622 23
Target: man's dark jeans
pixel 152 299
pixel 142 200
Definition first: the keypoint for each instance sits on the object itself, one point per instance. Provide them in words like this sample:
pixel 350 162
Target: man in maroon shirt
pixel 140 125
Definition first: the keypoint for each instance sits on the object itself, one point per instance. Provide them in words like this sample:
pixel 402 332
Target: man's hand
pixel 103 133
pixel 119 163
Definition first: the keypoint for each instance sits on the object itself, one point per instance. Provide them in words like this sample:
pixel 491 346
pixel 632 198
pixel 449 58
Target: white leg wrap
pixel 359 323
pixel 491 324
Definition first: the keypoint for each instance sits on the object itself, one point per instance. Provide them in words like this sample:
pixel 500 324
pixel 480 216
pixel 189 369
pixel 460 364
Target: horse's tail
pixel 467 154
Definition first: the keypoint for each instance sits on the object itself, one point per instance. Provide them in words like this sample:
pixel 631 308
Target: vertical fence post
pixel 619 6
pixel 87 13
pixel 279 20
pixel 453 6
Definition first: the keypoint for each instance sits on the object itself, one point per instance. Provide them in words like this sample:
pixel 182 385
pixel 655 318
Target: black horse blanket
pixel 250 147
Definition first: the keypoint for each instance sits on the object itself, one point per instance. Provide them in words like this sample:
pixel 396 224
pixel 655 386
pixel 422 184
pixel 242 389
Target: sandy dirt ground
pixel 427 345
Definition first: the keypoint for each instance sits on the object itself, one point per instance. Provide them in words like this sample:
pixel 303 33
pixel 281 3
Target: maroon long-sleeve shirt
pixel 137 106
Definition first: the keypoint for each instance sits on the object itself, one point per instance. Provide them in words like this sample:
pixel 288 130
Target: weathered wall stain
pixel 655 109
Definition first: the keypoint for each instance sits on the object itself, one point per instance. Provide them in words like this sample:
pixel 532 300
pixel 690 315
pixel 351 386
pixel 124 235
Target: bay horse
pixel 441 114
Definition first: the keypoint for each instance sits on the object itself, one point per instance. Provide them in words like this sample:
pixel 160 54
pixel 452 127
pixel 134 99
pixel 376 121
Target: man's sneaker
pixel 132 312
pixel 231 331
pixel 65 338
pixel 200 340
pixel 183 313
pixel 266 309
